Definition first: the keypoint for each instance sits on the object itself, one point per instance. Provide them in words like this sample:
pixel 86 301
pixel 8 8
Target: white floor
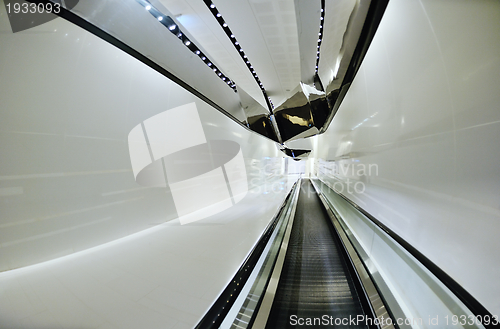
pixel 164 277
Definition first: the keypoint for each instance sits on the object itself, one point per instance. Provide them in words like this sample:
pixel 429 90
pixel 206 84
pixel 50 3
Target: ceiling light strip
pixel 169 23
pixel 236 44
pixel 320 34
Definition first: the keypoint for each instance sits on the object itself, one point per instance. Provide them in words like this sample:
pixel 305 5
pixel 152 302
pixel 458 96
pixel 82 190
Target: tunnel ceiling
pixel 279 68
pixel 295 52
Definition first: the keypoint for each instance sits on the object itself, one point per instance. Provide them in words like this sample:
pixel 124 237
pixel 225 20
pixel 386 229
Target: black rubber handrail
pixel 219 309
pixel 465 297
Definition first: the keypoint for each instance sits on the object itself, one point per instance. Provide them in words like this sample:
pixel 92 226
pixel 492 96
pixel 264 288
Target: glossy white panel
pixel 163 277
pixel 70 102
pixel 138 149
pixel 235 170
pixel 423 110
pixel 206 189
pixel 174 130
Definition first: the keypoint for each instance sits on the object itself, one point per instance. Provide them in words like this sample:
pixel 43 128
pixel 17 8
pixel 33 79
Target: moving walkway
pixel 312 268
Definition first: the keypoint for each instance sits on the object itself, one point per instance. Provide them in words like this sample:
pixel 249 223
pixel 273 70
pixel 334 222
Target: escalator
pixel 325 262
pixel 317 284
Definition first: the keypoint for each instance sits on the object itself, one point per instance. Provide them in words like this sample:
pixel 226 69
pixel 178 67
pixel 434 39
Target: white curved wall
pixel 424 108
pixel 68 103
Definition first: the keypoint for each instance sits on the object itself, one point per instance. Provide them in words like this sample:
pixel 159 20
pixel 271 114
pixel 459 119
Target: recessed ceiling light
pixel 148 7
pixel 160 18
